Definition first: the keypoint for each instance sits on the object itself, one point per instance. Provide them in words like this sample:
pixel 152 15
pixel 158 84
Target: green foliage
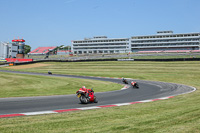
pixel 62 47
pixel 27 49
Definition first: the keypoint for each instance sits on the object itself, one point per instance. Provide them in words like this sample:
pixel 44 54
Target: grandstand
pixel 64 52
pixel 43 50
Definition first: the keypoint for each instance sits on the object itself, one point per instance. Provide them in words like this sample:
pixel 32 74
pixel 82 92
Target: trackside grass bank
pixel 179 114
pixel 19 85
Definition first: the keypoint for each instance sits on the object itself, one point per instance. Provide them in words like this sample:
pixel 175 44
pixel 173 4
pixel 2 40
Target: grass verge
pixel 180 114
pixel 19 85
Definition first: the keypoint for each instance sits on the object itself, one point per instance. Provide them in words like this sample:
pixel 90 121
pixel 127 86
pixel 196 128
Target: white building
pixel 3 50
pixel 162 41
pixel 13 50
pixel 8 50
pixel 166 40
pixel 101 45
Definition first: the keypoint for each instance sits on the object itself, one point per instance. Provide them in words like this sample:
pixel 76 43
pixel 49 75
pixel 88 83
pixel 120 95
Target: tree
pixel 27 49
pixel 62 47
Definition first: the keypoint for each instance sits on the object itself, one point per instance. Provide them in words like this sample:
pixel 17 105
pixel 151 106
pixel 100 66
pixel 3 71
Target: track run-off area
pixel 148 91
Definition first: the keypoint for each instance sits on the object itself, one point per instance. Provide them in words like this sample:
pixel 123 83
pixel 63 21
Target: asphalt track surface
pixel 147 90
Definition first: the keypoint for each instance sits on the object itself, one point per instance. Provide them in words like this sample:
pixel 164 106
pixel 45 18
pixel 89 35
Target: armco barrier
pixel 173 59
pixel 88 60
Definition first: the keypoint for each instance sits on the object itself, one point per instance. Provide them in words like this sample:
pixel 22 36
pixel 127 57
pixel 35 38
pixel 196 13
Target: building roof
pixel 42 50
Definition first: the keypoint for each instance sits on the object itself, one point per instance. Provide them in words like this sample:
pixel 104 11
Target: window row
pixel 171 40
pixel 164 44
pixel 165 36
pixel 96 45
pixel 100 48
pixel 93 41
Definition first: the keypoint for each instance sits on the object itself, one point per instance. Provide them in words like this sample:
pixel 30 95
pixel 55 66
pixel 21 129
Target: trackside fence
pixel 89 60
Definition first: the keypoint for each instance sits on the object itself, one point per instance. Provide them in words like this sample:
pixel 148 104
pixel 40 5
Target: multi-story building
pixel 12 49
pixel 163 40
pixel 101 44
pixel 8 50
pixel 166 40
pixel 3 50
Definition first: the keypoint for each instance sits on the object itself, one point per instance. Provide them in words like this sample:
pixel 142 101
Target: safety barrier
pixel 18 60
pixel 89 60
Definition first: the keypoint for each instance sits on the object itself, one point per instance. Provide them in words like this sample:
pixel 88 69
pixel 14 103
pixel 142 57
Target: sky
pixel 57 22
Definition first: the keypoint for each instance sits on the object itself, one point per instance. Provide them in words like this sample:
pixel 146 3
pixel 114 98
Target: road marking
pixel 122 104
pixel 65 110
pixel 87 108
pixel 84 108
pixel 39 113
pixel 105 106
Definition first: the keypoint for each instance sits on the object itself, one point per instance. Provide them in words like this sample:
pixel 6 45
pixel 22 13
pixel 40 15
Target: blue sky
pixel 57 22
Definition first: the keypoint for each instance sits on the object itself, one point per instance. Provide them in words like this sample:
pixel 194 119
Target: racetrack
pixel 147 90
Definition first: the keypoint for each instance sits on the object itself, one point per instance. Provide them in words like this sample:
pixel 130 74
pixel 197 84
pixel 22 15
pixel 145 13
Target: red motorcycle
pixel 86 95
pixel 134 84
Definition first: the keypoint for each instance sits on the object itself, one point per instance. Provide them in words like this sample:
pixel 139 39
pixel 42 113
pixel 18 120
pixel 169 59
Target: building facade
pixel 163 40
pixel 8 50
pixel 20 44
pixel 101 45
pixel 166 40
pixel 14 49
pixel 3 50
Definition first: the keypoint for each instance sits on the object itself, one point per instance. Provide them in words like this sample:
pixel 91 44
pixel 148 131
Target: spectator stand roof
pixel 42 50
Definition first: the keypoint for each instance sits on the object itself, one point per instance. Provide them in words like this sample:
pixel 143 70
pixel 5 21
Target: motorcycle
pixel 50 73
pixel 125 81
pixel 86 96
pixel 134 84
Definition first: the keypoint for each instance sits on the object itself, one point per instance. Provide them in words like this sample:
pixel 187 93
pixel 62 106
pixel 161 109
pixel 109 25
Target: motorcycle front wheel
pixel 137 86
pixel 84 100
pixel 95 100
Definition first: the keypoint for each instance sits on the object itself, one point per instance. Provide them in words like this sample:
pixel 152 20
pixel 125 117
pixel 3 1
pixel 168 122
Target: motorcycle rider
pixel 88 91
pixel 124 80
pixel 133 83
pixel 86 95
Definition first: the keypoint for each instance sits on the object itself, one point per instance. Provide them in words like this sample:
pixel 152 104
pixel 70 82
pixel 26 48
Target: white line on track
pixel 39 113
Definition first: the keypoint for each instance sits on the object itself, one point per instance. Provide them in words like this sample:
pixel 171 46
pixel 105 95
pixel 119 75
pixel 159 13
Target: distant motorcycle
pixel 86 95
pixel 134 84
pixel 49 72
pixel 124 81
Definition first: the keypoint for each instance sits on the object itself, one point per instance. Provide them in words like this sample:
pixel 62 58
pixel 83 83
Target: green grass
pixel 179 114
pixel 18 85
pixel 156 71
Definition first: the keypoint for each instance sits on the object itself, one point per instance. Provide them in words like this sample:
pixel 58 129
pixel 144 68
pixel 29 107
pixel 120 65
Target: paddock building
pixel 101 45
pixel 164 41
pixel 14 49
